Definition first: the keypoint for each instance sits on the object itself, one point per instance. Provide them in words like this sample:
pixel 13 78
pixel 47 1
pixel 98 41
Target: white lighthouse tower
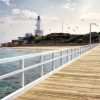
pixel 38 31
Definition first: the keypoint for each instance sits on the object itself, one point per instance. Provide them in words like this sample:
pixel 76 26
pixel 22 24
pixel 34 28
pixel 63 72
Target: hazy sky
pixel 17 17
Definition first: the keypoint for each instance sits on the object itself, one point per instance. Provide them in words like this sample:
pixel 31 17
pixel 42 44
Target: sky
pixel 18 17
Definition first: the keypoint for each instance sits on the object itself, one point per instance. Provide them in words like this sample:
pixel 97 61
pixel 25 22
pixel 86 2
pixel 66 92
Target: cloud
pixel 7 2
pixel 24 13
pixel 91 15
pixel 10 24
pixel 49 18
pixel 27 14
pixel 6 20
pixel 16 11
pixel 70 6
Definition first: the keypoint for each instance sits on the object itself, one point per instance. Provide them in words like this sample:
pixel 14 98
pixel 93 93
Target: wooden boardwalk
pixel 79 81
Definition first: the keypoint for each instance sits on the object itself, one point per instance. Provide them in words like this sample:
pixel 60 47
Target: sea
pixel 11 84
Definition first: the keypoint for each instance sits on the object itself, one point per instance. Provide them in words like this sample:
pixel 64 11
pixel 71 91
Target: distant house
pixel 20 38
pixel 15 42
pixel 7 44
pixel 27 35
pixel 24 42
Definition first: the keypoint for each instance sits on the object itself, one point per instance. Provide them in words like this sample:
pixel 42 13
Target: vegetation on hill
pixel 65 38
pixel 56 39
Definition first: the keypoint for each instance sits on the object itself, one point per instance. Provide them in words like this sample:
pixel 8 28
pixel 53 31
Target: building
pixel 27 35
pixel 38 31
pixel 15 42
pixel 20 38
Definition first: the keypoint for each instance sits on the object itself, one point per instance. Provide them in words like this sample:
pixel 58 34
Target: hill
pixel 55 39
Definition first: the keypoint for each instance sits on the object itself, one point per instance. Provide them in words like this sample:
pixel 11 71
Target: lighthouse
pixel 38 31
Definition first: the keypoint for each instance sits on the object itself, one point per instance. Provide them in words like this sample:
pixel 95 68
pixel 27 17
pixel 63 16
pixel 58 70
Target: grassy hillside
pixel 66 38
pixel 56 39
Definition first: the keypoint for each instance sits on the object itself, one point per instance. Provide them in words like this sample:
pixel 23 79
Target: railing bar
pixel 5 60
pixel 25 69
pixel 10 74
pixel 27 56
pixel 30 67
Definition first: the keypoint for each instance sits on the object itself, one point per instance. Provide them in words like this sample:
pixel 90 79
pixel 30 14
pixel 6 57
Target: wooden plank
pixel 79 81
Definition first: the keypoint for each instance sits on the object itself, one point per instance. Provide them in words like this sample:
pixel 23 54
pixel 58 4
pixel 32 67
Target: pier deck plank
pixel 79 81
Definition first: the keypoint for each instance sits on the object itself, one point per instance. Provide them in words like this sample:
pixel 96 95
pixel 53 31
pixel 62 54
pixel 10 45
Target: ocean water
pixel 13 83
pixel 6 52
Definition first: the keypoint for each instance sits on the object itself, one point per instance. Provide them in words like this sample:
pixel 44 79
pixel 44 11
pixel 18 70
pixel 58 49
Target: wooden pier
pixel 78 81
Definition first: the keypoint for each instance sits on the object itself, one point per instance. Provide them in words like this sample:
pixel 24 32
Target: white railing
pixel 65 56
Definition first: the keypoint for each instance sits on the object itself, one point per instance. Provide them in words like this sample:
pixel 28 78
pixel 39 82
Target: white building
pixel 38 31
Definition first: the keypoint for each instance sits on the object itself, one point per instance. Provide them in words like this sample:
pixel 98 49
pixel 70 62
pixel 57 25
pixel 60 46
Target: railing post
pixel 53 64
pixel 86 48
pixel 83 50
pixel 71 54
pixel 22 75
pixel 80 51
pixel 66 55
pixel 75 53
pixel 61 59
pixel 42 65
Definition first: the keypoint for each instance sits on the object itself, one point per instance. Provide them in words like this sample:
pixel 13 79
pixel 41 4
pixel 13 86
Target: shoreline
pixel 44 48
